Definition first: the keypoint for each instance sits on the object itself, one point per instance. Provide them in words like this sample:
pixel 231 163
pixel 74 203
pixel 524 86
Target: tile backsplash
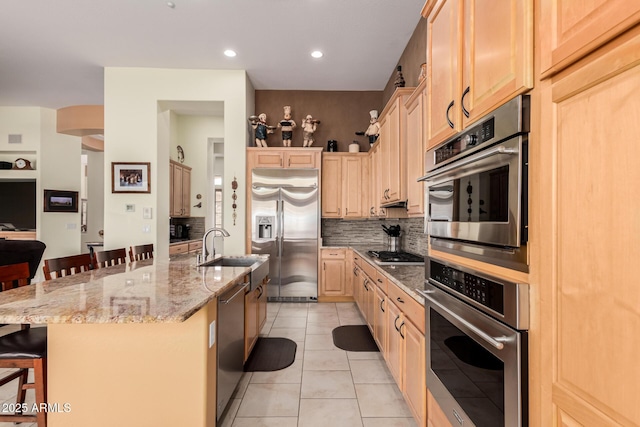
pixel 337 232
pixel 195 222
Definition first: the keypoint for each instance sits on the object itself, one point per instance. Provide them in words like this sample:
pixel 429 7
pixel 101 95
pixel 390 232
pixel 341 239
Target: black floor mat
pixel 271 354
pixel 354 338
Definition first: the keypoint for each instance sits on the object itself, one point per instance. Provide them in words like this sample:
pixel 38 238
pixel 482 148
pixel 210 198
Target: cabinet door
pixel 498 54
pixel 415 152
pixel 177 191
pixel 301 160
pixel 414 379
pixel 380 328
pixel 394 158
pixel 352 185
pixel 375 182
pixel 443 70
pixel 569 32
pixel 262 305
pixel 589 118
pixel 186 192
pixel 395 344
pixel 332 187
pixel 383 169
pixel 268 159
pixel 250 321
pixel 357 286
pixel 333 277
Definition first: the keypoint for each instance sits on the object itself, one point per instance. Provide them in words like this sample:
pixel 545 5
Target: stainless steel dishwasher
pixel 230 331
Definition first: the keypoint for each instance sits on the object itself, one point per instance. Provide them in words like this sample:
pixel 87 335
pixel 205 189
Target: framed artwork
pixel 60 201
pixel 129 177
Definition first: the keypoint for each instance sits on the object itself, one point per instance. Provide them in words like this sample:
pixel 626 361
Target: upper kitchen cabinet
pixel 568 32
pixel 479 55
pixel 283 157
pixel 180 189
pixel 416 147
pixel 582 110
pixel 393 136
pixel 344 178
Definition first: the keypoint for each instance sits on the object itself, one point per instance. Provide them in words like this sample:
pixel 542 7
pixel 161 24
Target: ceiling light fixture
pixel 171 4
pixel 230 53
pixel 317 54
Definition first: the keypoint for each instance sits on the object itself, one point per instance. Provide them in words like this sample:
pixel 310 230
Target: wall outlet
pixel 146 229
pixel 71 226
pixel 212 333
pixel 146 213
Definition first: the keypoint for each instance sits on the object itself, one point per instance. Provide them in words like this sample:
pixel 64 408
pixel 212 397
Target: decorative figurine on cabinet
pixel 287 126
pixel 374 127
pixel 399 82
pixel 309 126
pixel 259 125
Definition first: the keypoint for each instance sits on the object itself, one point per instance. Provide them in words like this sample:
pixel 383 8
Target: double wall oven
pixel 476 347
pixel 476 188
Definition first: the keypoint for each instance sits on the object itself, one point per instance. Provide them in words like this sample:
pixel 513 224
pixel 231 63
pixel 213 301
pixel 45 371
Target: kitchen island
pixel 129 344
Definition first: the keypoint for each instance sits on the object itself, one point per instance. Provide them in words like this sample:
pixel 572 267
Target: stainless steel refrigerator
pixel 285 221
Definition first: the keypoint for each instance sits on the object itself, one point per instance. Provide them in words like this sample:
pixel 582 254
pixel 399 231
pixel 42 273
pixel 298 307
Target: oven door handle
pixel 494 341
pixel 482 155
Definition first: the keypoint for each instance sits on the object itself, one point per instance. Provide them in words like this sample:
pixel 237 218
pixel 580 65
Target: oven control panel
pixel 480 289
pixel 469 139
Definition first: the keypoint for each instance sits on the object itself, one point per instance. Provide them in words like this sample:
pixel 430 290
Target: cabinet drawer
pixel 179 249
pixel 369 269
pixel 412 310
pixel 195 246
pixel 357 260
pixel 338 253
pixel 381 281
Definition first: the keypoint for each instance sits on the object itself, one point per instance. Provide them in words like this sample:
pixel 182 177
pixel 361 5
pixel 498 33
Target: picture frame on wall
pixel 130 177
pixel 60 201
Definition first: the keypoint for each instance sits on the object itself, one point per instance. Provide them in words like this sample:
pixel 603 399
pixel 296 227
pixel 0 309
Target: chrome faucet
pixel 205 252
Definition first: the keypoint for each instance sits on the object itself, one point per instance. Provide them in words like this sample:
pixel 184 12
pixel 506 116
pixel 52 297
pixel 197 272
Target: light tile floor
pixel 325 386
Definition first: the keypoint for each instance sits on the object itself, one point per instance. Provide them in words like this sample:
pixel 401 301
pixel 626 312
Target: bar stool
pixel 140 252
pixel 111 257
pixel 25 349
pixel 65 266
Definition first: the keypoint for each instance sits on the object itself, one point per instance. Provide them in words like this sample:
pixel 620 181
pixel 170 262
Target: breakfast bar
pixel 129 344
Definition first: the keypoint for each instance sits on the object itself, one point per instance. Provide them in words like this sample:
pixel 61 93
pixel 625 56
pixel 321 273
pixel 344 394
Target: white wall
pixel 138 130
pixel 57 167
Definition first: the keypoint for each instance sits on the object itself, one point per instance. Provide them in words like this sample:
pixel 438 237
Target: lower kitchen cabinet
pixel 255 315
pixel 395 343
pixel 334 280
pixel 414 378
pixel 379 323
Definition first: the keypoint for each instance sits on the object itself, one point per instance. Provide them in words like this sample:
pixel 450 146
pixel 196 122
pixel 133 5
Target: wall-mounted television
pixel 18 203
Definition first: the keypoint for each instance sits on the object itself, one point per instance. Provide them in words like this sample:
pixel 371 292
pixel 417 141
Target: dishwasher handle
pixel 241 290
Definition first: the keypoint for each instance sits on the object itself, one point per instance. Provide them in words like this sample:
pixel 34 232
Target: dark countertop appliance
pixel 393 258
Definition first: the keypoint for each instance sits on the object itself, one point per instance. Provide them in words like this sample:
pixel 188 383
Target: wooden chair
pixel 65 266
pixel 140 252
pixel 25 349
pixel 112 257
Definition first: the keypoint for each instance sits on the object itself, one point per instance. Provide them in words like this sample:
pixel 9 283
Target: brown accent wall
pixel 341 113
pixel 415 54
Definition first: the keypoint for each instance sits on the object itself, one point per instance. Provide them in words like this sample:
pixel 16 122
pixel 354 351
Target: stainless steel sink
pixel 259 266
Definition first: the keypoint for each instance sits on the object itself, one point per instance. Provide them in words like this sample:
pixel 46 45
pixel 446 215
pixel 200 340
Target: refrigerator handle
pixel 281 227
pixel 277 228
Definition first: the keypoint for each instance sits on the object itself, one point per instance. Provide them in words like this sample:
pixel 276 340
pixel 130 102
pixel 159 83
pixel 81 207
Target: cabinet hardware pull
pixel 355 271
pixel 449 120
pixel 395 325
pixel 324 265
pixel 338 211
pixel 464 110
pixel 289 164
pixel 400 300
pixel 381 307
pixel 281 162
pixel 379 281
pixel 400 329
pixel 365 284
pixel 346 211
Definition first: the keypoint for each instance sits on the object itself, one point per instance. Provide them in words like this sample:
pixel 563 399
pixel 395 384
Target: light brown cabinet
pixel 583 109
pixel 185 247
pixel 344 176
pixel 255 315
pixel 414 375
pixel 479 55
pixel 416 147
pixel 395 343
pixel 334 279
pixel 570 33
pixel 180 190
pixel 393 125
pixel 284 157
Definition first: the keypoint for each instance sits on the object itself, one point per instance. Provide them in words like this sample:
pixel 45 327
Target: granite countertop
pixel 406 277
pixel 150 291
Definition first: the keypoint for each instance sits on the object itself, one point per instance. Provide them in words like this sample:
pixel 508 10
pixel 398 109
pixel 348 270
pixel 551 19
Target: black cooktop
pixel 388 257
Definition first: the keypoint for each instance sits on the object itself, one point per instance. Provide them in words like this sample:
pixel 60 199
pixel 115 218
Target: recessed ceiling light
pixel 171 4
pixel 230 53
pixel 317 54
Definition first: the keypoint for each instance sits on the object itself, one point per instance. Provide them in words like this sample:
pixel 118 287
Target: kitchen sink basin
pixel 259 266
